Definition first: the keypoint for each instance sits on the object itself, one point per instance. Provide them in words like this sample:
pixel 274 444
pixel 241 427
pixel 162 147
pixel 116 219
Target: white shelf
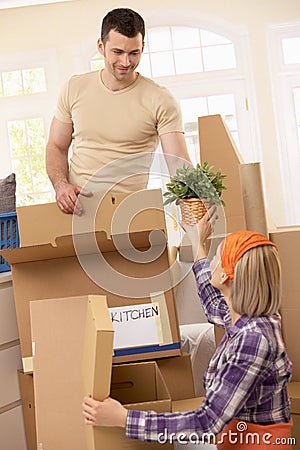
pixel 5 276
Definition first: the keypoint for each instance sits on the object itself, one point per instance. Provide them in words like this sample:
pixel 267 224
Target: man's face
pixel 121 54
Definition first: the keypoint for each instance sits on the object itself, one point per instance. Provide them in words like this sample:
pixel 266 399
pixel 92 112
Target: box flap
pixel 58 330
pixel 112 213
pixel 98 335
pixel 90 243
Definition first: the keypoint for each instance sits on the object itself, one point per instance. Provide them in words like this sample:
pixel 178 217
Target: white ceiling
pixel 6 4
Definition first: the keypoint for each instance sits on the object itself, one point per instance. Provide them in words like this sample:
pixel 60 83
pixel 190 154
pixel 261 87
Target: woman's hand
pixel 199 232
pixel 108 413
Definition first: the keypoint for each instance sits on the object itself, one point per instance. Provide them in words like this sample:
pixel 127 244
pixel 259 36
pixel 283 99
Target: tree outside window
pixel 27 145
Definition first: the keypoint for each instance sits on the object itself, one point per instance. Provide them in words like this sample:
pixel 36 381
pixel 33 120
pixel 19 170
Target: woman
pixel 246 403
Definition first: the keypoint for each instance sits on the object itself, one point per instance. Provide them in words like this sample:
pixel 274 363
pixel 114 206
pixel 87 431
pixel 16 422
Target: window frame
pixel 27 106
pixel 284 77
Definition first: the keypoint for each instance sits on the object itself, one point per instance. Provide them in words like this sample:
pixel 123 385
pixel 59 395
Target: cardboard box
pixel 287 240
pixel 219 333
pixel 187 404
pixel 218 148
pixel 28 408
pixel 62 256
pixel 294 395
pixel 73 340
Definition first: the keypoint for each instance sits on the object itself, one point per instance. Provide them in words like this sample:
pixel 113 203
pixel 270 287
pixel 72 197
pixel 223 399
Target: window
pixel 202 69
pixel 6 4
pixel 28 93
pixel 97 62
pixel 296 93
pixel 27 146
pixel 290 48
pixel 191 108
pixel 284 42
pixel 22 82
pixel 178 50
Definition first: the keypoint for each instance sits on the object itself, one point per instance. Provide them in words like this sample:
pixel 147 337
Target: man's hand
pixel 108 413
pixel 67 197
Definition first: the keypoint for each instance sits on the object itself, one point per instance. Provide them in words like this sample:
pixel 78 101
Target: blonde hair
pixel 256 288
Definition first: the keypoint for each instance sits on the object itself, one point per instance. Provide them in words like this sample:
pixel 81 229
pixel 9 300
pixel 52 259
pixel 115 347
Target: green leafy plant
pixel 195 182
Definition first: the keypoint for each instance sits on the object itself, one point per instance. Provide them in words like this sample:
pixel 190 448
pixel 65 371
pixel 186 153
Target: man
pixel 111 115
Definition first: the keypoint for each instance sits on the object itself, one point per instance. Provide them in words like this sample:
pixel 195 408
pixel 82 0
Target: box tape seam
pixel 162 321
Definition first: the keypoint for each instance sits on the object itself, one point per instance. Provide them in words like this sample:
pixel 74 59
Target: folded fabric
pixel 8 194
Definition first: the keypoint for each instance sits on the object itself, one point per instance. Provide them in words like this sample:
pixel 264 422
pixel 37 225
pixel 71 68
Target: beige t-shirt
pixel 115 132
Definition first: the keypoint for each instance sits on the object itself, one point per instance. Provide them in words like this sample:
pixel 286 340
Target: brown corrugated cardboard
pixel 73 354
pixel 97 334
pixel 219 333
pixel 181 366
pixel 253 198
pixel 57 330
pixel 218 149
pixel 138 386
pixel 187 404
pixel 288 242
pixel 294 395
pixel 28 407
pixel 42 224
pixel 128 269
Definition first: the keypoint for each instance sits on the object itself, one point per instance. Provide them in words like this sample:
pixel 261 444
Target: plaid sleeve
pixel 135 425
pixel 214 304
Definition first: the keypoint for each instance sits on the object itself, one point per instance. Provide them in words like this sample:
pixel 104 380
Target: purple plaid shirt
pixel 246 378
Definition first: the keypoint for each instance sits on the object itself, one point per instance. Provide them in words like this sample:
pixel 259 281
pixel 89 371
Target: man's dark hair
pixel 124 21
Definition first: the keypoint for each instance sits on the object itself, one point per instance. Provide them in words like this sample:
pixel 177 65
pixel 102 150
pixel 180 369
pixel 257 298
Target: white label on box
pixel 135 325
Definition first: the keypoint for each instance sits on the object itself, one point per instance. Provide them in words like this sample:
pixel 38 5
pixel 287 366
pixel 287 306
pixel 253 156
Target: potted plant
pixel 190 186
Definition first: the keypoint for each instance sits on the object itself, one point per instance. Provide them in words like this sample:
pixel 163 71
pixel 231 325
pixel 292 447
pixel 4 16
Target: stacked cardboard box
pixel 287 240
pixel 117 250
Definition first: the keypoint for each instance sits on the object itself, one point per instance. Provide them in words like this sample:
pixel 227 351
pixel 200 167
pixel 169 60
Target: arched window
pixel 177 50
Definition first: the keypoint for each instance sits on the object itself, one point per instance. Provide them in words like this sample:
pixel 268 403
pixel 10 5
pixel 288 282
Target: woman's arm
pixel 213 302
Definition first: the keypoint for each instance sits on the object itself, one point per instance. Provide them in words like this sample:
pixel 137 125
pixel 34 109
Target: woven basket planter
pixel 192 210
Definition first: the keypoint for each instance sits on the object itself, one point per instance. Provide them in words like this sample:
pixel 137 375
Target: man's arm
pixel 57 166
pixel 175 151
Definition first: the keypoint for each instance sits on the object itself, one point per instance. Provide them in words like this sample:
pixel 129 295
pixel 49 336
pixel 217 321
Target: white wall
pixel 66 26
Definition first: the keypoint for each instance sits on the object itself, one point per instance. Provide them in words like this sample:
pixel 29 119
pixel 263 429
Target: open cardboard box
pixel 73 340
pixel 117 248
